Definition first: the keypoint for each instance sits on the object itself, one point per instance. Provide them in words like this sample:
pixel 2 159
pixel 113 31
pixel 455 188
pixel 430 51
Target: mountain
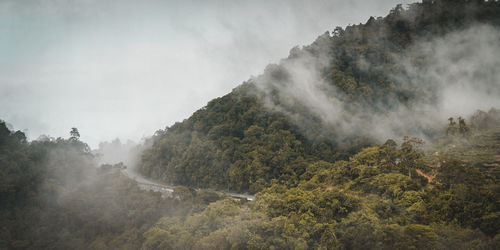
pixel 369 138
pixel 355 87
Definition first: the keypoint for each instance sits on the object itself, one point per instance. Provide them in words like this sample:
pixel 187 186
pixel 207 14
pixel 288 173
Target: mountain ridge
pixel 310 138
pixel 320 100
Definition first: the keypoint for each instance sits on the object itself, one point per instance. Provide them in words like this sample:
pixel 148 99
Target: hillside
pixel 384 197
pixel 349 89
pixel 356 141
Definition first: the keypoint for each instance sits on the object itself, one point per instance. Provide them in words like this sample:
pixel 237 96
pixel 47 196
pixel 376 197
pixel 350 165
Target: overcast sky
pixel 127 68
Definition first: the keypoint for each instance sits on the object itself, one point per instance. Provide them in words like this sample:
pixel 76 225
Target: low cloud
pixel 127 68
pixel 453 75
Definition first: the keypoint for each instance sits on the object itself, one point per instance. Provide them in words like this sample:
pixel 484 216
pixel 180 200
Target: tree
pixel 74 134
pixel 411 154
pixel 463 129
pixel 452 127
pixel 338 31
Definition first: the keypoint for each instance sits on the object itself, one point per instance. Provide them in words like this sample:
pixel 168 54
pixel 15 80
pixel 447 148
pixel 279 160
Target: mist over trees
pixel 361 140
pixel 356 87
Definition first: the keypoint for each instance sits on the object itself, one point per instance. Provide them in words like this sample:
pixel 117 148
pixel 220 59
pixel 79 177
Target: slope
pixel 351 88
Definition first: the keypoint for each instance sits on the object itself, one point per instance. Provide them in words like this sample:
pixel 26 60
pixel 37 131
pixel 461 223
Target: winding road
pixel 167 190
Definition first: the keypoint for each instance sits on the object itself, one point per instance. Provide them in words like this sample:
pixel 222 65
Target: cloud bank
pixel 449 76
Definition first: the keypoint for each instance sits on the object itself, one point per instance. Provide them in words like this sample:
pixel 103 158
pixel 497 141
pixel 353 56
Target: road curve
pixel 166 190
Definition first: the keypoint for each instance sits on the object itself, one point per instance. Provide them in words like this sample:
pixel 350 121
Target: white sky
pixel 127 68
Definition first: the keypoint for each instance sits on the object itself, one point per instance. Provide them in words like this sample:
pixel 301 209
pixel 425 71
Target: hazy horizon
pixel 124 70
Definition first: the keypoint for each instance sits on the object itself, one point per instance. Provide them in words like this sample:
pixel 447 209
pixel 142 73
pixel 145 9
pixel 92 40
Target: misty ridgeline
pixel 383 135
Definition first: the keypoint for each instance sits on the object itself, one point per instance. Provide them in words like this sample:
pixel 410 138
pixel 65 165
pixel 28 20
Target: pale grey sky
pixel 127 68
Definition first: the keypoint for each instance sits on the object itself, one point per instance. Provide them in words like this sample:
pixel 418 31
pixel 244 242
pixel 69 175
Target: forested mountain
pixel 54 196
pixel 346 144
pixel 349 89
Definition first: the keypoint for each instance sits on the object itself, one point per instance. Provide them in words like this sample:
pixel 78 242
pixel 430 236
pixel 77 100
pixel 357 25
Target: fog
pixel 452 76
pixel 127 68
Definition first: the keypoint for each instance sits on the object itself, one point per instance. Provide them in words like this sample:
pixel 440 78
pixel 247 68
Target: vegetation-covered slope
pixel 322 178
pixel 265 132
pixel 53 196
pixel 388 196
pixel 384 197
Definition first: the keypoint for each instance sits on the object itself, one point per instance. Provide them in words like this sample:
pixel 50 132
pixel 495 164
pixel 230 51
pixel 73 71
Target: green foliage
pixel 238 142
pixel 231 144
pixel 52 196
pixel 364 203
pixel 311 191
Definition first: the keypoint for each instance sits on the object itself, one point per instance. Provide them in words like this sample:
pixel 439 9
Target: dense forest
pixel 326 170
pixel 54 196
pixel 264 131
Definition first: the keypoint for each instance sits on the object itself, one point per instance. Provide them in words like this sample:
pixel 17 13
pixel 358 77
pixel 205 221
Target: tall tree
pixel 74 134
